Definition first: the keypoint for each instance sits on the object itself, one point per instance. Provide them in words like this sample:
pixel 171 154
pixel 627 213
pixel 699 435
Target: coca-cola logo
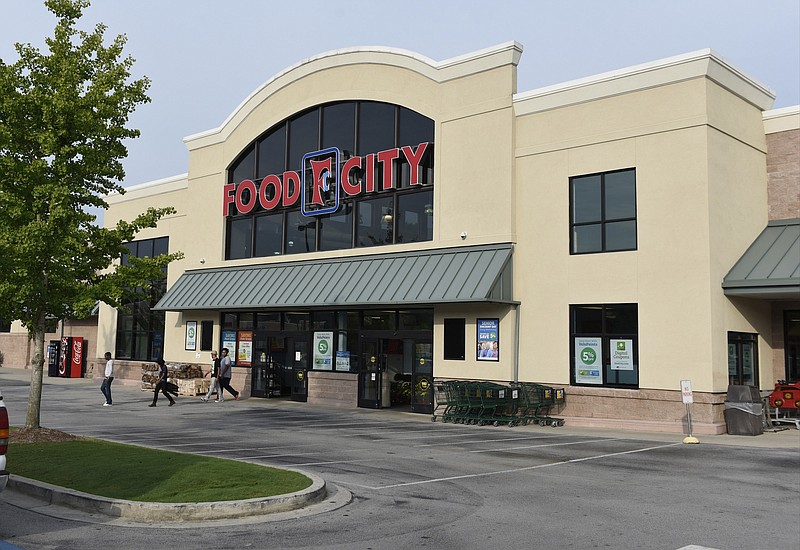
pixel 77 351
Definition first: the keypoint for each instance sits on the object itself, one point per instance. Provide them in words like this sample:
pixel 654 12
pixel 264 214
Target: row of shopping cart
pixel 481 403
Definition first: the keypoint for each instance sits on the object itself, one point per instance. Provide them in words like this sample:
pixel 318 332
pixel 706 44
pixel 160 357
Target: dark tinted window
pixel 454 339
pixel 140 330
pixel 338 127
pixel 269 234
pixel 603 212
pixel 615 362
pixel 272 153
pixel 301 233
pixel 240 236
pixel 375 221
pixel 206 335
pixel 244 168
pixel 586 203
pixel 414 128
pixel 376 127
pixel 415 220
pixel 303 137
pixel 416 319
pixel 336 230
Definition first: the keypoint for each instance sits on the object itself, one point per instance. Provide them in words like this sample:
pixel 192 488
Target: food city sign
pixel 325 175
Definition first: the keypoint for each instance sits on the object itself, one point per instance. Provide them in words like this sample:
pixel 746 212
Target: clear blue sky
pixel 205 56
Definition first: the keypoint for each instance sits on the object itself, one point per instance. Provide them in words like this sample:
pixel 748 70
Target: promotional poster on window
pixel 488 340
pixel 323 350
pixel 622 355
pixel 229 341
pixel 588 360
pixel 191 336
pixel 244 354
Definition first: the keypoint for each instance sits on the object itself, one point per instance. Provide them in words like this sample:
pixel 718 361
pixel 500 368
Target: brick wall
pixel 783 174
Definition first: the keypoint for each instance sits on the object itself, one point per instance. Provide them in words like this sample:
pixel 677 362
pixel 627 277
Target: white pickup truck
pixel 4 429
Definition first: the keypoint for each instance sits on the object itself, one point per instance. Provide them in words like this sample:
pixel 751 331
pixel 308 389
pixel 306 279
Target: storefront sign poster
pixel 488 340
pixel 191 336
pixel 588 360
pixel 323 350
pixel 622 355
pixel 244 354
pixel 343 360
pixel 229 341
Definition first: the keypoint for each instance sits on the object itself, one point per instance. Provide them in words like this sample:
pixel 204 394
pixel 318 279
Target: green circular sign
pixel 588 356
pixel 322 346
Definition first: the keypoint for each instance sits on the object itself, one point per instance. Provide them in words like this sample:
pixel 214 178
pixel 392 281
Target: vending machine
pixel 70 361
pixel 53 348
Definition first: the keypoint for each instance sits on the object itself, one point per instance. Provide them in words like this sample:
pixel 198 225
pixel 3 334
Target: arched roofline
pixel 438 71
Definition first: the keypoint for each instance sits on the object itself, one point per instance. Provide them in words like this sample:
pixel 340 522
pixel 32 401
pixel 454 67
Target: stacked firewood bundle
pixel 176 371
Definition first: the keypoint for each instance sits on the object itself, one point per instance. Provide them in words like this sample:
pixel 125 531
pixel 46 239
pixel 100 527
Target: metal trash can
pixel 744 411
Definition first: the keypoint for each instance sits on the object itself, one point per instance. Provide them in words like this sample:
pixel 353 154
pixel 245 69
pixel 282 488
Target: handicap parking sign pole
pixel 686 395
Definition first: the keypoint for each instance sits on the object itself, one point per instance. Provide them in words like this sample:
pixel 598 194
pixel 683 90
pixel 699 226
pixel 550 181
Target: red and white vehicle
pixel 4 429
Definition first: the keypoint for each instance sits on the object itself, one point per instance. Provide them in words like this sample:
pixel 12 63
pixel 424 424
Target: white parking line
pixel 545 445
pixel 522 438
pixel 514 470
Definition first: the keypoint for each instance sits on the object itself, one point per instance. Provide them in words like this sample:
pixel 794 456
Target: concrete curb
pixel 177 512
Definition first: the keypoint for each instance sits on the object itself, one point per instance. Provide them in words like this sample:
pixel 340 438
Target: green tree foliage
pixel 62 125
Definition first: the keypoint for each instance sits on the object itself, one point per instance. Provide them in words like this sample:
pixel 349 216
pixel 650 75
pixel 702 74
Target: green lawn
pixel 137 473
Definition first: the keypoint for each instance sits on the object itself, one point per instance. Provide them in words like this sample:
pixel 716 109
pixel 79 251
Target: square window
pixel 603 212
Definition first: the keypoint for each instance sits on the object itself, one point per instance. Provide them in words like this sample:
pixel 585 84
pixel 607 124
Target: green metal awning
pixel 450 275
pixel 770 268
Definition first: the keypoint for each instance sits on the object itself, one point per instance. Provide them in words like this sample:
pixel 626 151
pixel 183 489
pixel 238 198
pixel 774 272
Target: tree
pixel 62 126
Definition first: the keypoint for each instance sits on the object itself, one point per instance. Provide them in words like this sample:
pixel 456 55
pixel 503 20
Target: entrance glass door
pixel 299 369
pixel 370 375
pixel 422 377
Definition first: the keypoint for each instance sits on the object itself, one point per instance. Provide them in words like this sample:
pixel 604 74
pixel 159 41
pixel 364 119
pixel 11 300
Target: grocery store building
pixel 370 221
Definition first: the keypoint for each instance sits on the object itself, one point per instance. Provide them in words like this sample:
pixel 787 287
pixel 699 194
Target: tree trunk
pixel 37 368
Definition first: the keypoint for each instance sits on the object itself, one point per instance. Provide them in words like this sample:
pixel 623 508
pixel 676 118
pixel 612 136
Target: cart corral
pixel 481 403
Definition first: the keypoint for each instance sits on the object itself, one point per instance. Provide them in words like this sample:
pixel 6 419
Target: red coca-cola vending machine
pixel 70 359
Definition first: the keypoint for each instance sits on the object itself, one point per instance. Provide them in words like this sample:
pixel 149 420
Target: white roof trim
pixel 647 75
pixel 150 188
pixel 781 120
pixel 439 71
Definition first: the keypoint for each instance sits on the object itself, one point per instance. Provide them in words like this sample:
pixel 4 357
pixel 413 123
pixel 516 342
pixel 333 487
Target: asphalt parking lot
pixel 415 483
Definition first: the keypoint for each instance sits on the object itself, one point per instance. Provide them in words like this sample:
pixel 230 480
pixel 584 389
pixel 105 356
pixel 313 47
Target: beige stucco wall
pixel 691 128
pixel 699 159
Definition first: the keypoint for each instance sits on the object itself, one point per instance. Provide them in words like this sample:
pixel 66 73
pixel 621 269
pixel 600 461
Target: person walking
pixel 162 383
pixel 225 373
pixel 108 377
pixel 214 372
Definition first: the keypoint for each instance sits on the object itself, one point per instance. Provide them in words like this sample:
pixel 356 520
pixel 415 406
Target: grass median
pixel 135 473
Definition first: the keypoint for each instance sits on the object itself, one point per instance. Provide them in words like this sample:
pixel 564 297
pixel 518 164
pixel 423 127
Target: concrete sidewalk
pixel 784 436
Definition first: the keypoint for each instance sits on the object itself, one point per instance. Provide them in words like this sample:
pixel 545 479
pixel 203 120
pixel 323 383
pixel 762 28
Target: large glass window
pixel 605 345
pixel 140 331
pixel 356 128
pixel 603 212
